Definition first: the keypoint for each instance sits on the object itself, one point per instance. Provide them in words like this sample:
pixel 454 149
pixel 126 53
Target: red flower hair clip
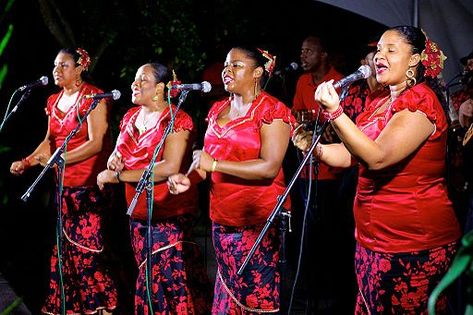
pixel 271 63
pixel 84 59
pixel 173 91
pixel 432 58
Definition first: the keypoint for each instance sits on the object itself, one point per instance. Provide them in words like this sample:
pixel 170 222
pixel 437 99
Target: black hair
pixel 255 55
pixel 161 73
pixel 85 74
pixel 416 38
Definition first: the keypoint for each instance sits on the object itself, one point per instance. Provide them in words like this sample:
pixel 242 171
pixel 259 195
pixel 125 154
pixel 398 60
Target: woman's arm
pixel 175 147
pixel 97 128
pixel 274 142
pixel 403 134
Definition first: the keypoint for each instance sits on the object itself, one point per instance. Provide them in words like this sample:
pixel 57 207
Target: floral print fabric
pixel 88 285
pixel 179 283
pixel 400 283
pixel 257 289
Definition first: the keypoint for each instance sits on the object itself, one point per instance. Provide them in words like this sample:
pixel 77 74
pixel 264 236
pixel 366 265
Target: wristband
pixel 318 152
pixel 214 165
pixel 332 116
pixel 117 176
pixel 26 162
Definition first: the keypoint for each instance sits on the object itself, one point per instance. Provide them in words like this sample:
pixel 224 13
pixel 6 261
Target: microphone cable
pixel 307 196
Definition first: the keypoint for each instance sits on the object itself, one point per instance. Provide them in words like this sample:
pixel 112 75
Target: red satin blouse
pixel 235 201
pixel 406 207
pixel 83 173
pixel 137 151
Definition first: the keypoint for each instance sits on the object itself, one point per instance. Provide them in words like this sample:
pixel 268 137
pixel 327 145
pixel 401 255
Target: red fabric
pixel 83 173
pixel 304 100
pixel 458 98
pixel 235 201
pixel 405 207
pixel 137 151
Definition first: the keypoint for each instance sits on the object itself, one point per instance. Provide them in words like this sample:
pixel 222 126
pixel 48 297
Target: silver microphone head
pixel 116 94
pixel 206 86
pixel 366 70
pixel 44 80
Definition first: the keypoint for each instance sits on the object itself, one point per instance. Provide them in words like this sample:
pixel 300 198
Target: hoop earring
pixel 155 98
pixel 411 80
pixel 78 82
pixel 255 88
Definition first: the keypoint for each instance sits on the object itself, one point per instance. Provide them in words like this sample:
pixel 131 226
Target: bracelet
pixel 318 152
pixel 26 162
pixel 332 116
pixel 117 176
pixel 214 165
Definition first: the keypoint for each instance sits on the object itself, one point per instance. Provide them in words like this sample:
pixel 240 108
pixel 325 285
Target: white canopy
pixel 447 22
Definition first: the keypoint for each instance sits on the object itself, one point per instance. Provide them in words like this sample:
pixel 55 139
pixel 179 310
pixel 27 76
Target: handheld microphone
pixel 293 66
pixel 115 94
pixel 363 72
pixel 41 81
pixel 203 87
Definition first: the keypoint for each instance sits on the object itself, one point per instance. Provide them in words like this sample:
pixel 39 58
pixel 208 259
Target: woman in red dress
pixel 406 229
pixel 179 284
pixel 88 287
pixel 245 143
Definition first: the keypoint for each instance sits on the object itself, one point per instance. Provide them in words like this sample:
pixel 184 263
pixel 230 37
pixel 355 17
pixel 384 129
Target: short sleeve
pixel 278 111
pixel 421 98
pixel 183 122
pixel 415 101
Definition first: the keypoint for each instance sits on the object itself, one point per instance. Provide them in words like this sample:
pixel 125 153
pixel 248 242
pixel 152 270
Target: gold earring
pixel 255 91
pixel 411 80
pixel 155 98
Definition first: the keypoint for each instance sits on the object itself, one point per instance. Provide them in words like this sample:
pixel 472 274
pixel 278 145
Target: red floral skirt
pixel 257 289
pixel 88 286
pixel 179 282
pixel 400 283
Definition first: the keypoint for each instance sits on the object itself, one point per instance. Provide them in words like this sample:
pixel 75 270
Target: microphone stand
pixel 281 199
pixel 147 181
pixel 15 108
pixel 57 159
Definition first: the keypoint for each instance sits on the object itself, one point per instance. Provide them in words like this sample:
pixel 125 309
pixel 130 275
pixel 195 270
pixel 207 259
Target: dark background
pixel 121 36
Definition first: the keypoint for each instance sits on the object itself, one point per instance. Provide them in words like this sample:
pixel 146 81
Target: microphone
pixel 41 81
pixel 115 94
pixel 203 87
pixel 363 72
pixel 293 66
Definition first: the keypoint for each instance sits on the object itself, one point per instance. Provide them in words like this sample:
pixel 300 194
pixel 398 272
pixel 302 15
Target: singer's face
pixel 143 87
pixel 238 72
pixel 393 58
pixel 312 56
pixel 65 72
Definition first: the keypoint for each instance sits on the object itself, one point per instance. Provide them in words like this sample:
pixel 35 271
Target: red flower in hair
pixel 432 58
pixel 271 63
pixel 84 59
pixel 173 91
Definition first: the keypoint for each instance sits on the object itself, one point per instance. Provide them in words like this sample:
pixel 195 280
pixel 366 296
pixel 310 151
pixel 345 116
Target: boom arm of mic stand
pixel 281 199
pixel 146 177
pixel 15 108
pixel 56 157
